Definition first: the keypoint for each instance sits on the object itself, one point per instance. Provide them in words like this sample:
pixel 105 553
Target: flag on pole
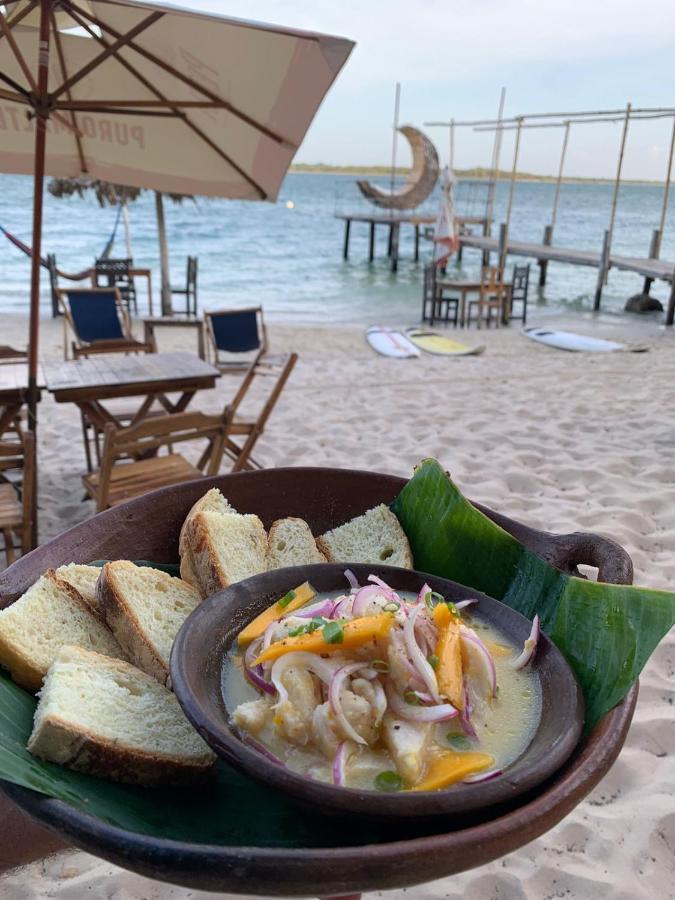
pixel 446 238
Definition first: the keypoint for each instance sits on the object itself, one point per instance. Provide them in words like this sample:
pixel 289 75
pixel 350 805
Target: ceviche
pixel 381 689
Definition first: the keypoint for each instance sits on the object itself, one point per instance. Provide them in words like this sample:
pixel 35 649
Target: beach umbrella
pixel 153 96
pixel 121 195
pixel 446 239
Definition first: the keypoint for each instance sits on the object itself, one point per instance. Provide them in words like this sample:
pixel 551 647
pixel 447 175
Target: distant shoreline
pixel 478 174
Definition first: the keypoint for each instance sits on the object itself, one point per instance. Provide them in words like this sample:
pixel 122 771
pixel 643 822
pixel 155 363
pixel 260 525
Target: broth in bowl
pixel 378 689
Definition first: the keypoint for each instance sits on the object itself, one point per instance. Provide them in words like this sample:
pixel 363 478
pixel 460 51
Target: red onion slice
pixel 462 604
pixel 424 590
pixel 465 715
pixel 268 635
pixel 362 598
pixel 342 754
pixel 352 579
pixel 530 646
pixel 343 608
pixel 482 776
pixel 324 608
pixel 480 652
pixel 255 674
pixel 334 699
pixel 440 713
pixel 418 658
pixel 387 591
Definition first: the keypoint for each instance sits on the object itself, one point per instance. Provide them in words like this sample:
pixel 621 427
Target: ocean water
pixel 287 256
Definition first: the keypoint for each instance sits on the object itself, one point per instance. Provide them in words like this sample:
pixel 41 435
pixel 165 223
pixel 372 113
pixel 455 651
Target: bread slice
pixel 212 501
pixel 105 717
pixel 82 578
pixel 226 548
pixel 48 616
pixel 145 608
pixel 291 543
pixel 375 537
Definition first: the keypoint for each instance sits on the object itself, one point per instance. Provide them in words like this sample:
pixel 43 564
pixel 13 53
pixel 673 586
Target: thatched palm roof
pixel 107 193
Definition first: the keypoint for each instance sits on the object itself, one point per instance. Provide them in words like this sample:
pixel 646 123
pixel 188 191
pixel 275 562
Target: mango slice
pixel 355 633
pixel 452 767
pixel 273 613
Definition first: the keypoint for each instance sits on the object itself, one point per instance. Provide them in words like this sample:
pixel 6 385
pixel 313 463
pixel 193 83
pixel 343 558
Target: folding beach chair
pixel 520 282
pixel 190 289
pixel 17 492
pixel 278 368
pixel 131 464
pixel 98 322
pixel 236 332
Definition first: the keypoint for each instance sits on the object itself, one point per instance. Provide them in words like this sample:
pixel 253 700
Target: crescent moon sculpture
pixel 420 181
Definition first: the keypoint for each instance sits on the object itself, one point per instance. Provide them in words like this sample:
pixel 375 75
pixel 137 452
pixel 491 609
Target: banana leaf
pixel 606 632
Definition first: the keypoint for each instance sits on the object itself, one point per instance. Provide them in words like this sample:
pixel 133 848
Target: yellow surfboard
pixel 439 344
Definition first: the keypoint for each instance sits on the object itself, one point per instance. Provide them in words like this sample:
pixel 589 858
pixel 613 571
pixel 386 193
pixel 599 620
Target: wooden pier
pixel 650 269
pixel 394 221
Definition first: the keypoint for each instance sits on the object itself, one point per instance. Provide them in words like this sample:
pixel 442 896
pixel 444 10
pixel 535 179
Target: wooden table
pixel 14 391
pixel 152 322
pixel 463 288
pixel 89 382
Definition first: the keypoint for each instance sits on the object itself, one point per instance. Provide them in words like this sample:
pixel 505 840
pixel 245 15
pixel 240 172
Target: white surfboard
pixel 568 340
pixel 389 342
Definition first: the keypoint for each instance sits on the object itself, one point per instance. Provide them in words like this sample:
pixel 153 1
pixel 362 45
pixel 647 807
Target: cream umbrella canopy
pixel 153 96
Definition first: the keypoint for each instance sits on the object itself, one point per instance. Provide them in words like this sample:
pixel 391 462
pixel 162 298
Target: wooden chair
pixel 190 289
pixel 250 429
pixel 236 332
pixel 98 322
pixel 11 355
pixel 434 304
pixel 17 494
pixel 520 283
pixel 490 299
pixel 115 273
pixel 130 466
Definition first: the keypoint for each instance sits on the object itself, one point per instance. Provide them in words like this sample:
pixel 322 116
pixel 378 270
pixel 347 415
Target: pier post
pixel 670 314
pixel 371 243
pixel 345 248
pixel 602 270
pixel 503 246
pixel 654 245
pixel 390 242
pixel 394 238
pixel 417 243
pixel 543 263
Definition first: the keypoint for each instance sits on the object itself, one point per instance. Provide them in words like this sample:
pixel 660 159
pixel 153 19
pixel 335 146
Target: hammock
pixel 12 238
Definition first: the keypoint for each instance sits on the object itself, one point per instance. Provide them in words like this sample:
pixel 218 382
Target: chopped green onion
pixel 458 741
pixel 411 698
pixel 453 609
pixel 388 782
pixel 433 598
pixel 433 661
pixel 301 629
pixel 391 607
pixel 316 623
pixel 333 633
pixel 286 599
pixel 380 665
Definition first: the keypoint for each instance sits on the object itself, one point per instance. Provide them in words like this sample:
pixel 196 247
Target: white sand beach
pixel 561 441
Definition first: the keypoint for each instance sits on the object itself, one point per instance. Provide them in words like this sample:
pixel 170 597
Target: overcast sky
pixel 453 56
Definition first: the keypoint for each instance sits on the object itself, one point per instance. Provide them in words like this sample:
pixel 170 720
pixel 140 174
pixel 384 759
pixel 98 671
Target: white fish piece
pixel 293 716
pixel 323 730
pixel 360 716
pixel 407 742
pixel 253 716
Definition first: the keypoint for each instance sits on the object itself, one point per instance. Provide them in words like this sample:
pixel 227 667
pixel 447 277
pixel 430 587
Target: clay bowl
pixel 148 528
pixel 209 633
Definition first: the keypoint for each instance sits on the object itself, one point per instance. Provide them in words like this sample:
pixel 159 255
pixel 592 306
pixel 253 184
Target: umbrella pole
pixel 38 194
pixel 163 256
